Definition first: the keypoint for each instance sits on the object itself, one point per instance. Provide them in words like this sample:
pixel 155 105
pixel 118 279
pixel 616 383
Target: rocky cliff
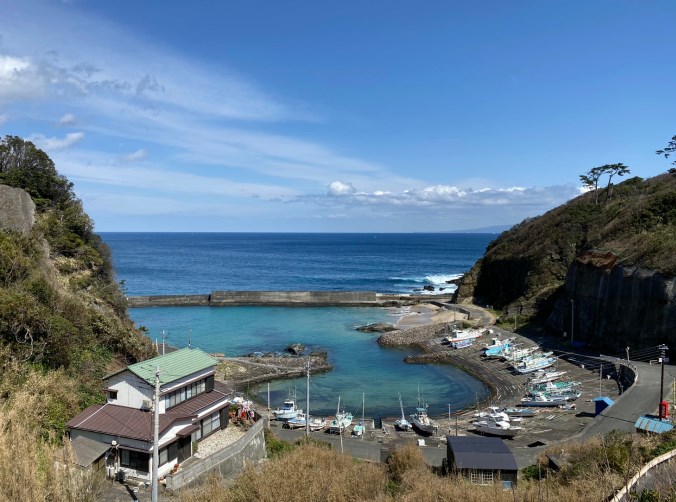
pixel 609 267
pixel 17 210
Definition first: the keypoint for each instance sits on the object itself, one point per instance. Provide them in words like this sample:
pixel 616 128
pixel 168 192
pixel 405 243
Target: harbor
pixel 542 427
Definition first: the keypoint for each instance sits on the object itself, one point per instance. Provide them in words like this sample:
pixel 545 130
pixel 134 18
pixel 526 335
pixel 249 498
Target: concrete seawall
pixel 283 299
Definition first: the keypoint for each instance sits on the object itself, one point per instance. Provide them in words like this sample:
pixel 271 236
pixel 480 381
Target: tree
pixel 668 150
pixel 591 180
pixel 613 170
pixel 23 165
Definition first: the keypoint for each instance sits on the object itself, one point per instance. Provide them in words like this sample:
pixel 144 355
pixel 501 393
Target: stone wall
pixel 230 461
pixel 17 210
pixel 168 301
pixel 265 298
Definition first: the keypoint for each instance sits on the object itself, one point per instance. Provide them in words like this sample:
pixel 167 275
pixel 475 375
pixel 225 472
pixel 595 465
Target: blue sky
pixel 336 116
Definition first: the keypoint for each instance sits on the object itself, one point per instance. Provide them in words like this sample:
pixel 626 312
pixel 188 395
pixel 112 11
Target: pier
pixel 284 299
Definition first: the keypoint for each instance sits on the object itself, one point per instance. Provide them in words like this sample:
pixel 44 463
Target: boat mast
pixel 363 424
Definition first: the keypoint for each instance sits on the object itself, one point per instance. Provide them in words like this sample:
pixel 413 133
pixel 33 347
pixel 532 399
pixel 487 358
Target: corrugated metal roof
pixel 174 365
pixel 655 425
pixel 477 452
pixel 87 451
pixel 120 421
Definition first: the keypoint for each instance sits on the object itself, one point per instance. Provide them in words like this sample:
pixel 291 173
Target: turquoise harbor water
pixel 195 263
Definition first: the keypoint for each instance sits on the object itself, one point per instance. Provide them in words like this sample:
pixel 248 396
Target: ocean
pixel 193 263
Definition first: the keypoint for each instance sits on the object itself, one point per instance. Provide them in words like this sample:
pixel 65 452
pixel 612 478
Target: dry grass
pixel 312 472
pixel 32 469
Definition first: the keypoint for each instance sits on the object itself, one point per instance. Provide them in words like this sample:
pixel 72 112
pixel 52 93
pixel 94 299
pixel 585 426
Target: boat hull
pixel 492 431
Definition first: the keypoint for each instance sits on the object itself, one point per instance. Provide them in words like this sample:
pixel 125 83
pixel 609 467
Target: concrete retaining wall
pixel 293 298
pixel 168 301
pixel 228 462
pixel 287 299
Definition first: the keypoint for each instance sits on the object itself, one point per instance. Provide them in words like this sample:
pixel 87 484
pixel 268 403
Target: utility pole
pixel 156 434
pixel 268 405
pixel 627 355
pixel 164 338
pixel 307 401
pixel 449 418
pixel 662 348
pixel 572 320
pixel 600 378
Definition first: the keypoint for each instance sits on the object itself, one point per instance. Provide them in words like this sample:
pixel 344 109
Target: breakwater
pixel 281 299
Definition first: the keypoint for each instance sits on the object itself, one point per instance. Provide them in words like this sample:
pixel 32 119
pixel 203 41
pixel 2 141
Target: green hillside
pixel 525 267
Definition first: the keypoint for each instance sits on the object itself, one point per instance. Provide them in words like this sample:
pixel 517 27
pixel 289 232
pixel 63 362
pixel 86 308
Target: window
pixel 481 477
pixel 112 394
pixel 134 460
pixel 211 423
pixel 191 390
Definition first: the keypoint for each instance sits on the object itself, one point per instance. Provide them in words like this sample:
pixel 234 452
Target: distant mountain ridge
pixel 606 270
pixel 494 229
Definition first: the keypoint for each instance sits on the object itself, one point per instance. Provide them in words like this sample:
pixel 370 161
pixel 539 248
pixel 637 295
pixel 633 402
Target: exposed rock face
pixel 17 210
pixel 296 349
pixel 615 305
pixel 376 327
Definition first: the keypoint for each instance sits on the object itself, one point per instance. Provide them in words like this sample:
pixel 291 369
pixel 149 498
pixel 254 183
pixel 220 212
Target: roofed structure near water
pixel 175 365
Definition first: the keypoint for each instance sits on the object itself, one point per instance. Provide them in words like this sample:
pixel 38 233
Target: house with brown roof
pixel 192 406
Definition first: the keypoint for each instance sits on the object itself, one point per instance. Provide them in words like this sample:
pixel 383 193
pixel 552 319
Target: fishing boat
pixel 341 422
pixel 358 430
pixel 300 422
pixel 552 387
pixel 402 424
pixel 528 366
pixel 501 429
pixel 519 412
pixel 496 347
pixel 496 414
pixel 461 344
pixel 514 355
pixel 420 421
pixel 287 411
pixel 459 335
pixel 542 400
pixel 544 376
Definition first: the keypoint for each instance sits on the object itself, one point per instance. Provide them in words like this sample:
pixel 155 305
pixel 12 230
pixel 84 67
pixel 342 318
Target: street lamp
pixel 662 348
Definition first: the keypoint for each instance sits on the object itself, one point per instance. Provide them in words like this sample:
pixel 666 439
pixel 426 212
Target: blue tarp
pixel 655 425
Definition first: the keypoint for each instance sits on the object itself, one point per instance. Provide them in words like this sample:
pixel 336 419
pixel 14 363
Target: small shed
pixel 482 460
pixel 88 453
pixel 653 425
pixel 601 403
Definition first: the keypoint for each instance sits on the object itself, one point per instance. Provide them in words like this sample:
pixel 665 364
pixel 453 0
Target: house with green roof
pixel 192 406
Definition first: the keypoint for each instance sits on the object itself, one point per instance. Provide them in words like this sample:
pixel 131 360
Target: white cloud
pixel 67 120
pixel 19 79
pixel 139 154
pixel 338 188
pixel 446 196
pixel 55 144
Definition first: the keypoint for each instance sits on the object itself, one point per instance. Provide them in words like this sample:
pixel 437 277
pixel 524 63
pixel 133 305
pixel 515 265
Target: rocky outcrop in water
pixel 614 305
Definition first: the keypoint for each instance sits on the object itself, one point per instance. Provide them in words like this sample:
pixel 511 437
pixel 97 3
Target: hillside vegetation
pixel 526 265
pixel 63 321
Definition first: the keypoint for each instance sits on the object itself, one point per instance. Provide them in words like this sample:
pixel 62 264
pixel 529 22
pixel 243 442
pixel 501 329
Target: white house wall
pixel 131 390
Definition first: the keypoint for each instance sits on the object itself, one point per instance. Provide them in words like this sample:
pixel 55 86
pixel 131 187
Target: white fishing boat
pixel 496 414
pixel 514 355
pixel 528 366
pixel 342 420
pixel 402 424
pixel 542 400
pixel 421 422
pixel 552 387
pixel 501 429
pixel 544 376
pixel 287 411
pixel 458 335
pixel 300 422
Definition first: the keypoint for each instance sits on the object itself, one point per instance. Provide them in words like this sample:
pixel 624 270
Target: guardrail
pixel 622 492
